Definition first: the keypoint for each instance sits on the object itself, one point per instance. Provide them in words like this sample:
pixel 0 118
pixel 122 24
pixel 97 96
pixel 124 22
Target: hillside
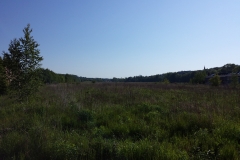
pixel 173 77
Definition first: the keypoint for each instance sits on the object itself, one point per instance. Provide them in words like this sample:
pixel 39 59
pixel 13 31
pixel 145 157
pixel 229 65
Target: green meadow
pixel 122 121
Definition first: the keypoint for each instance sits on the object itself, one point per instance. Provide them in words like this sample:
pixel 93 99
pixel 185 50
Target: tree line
pixel 21 73
pixel 48 77
pixel 195 77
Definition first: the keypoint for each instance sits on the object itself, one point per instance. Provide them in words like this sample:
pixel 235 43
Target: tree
pixel 227 68
pixel 215 81
pixel 3 87
pixel 166 81
pixel 199 77
pixel 22 65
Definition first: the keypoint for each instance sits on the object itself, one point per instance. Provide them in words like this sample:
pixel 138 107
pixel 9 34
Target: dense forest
pixel 184 76
pixel 49 76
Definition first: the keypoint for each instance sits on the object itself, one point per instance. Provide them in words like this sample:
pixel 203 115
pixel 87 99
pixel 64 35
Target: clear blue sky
pixel 122 38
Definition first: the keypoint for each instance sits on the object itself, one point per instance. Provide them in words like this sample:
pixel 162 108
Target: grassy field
pixel 122 121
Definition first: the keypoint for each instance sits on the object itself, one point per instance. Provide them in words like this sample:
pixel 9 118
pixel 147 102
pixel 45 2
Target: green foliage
pixel 229 151
pixel 22 63
pixel 234 80
pixel 71 78
pixel 199 77
pixel 3 85
pixel 85 115
pixel 47 76
pixel 215 81
pixel 122 121
pixel 227 68
pixel 13 144
pixel 166 81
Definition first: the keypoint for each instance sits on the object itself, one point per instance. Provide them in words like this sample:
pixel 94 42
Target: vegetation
pixel 194 77
pixel 199 77
pixel 22 64
pixel 215 81
pixel 166 81
pixel 3 85
pixel 122 121
pixel 49 77
pixel 234 80
pixel 79 120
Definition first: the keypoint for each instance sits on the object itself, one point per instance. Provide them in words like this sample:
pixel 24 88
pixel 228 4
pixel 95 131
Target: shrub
pixel 166 81
pixel 215 81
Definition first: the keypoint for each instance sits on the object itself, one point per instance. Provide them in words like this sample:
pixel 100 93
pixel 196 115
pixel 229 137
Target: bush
pixel 215 81
pixel 166 81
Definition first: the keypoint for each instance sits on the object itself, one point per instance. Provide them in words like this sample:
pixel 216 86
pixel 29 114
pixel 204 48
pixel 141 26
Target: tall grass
pixel 122 121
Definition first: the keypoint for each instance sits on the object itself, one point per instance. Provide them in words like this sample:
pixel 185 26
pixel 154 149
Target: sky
pixel 123 38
